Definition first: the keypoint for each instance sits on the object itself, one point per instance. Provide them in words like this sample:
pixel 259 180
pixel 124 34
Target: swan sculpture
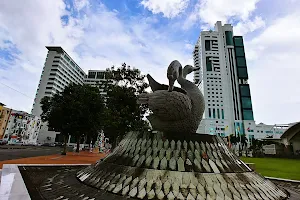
pixel 175 110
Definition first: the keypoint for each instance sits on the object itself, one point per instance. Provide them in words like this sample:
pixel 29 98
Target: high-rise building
pixel 223 79
pixel 59 71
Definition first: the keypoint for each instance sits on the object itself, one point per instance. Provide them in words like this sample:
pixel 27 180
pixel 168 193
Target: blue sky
pixel 149 34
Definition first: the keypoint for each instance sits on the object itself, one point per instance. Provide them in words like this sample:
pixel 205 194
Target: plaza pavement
pixel 84 157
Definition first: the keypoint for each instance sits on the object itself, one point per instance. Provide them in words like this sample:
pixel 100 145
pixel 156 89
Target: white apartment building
pixel 223 79
pixel 22 127
pixel 59 71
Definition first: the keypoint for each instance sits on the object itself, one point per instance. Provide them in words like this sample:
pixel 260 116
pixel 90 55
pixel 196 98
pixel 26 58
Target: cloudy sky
pixel 149 34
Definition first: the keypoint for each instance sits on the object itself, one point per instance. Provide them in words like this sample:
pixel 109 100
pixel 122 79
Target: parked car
pixel 18 143
pixel 48 145
pixel 58 144
pixel 3 142
pixel 30 144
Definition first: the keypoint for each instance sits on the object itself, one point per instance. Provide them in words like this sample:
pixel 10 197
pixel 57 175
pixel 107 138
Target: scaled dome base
pixel 196 166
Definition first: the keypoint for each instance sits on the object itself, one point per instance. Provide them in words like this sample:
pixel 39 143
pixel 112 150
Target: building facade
pixel 59 71
pixel 22 127
pixel 4 117
pixel 97 78
pixel 223 79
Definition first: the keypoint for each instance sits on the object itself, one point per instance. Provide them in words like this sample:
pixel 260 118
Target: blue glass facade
pixel 242 73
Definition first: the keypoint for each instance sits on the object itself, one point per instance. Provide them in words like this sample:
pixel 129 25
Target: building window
pixel 67 58
pixel 245 90
pixel 222 112
pixel 239 51
pixel 238 42
pixel 208 64
pixel 214 113
pixel 247 114
pixel 242 73
pixel 207 45
pixel 92 75
pixel 229 37
pixel 246 102
pixel 72 63
pixel 209 113
pixel 218 113
pixel 241 61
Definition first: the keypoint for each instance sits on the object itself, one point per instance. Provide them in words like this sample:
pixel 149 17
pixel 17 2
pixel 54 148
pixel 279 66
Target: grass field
pixel 276 167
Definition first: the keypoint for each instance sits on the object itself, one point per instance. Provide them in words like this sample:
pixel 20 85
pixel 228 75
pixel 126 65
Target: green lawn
pixel 276 167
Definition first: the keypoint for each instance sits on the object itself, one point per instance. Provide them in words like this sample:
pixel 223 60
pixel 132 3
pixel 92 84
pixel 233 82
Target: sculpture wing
pixel 168 106
pixel 157 86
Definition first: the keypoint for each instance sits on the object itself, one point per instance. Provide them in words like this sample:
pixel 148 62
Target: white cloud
pixel 96 41
pixel 274 71
pixel 169 8
pixel 80 4
pixel 248 26
pixel 210 11
pixel 220 10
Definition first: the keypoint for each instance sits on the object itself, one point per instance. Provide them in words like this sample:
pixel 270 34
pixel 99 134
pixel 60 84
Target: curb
pixel 282 179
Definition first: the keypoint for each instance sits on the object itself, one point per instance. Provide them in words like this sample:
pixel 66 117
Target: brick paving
pixel 83 157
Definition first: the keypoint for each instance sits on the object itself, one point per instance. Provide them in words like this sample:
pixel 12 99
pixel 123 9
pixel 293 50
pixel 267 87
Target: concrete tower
pixel 223 79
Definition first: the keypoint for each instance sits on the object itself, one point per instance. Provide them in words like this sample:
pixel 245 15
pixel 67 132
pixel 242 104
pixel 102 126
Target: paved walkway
pixel 70 158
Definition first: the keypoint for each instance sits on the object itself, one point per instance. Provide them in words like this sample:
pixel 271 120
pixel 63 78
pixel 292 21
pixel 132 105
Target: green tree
pixel 76 111
pixel 122 113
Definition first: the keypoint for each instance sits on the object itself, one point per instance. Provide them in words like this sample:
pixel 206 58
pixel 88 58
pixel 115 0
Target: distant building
pixel 97 78
pixel 22 127
pixel 291 138
pixel 4 116
pixel 264 131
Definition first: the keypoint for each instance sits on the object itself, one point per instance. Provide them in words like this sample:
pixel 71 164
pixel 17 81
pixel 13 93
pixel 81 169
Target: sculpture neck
pixel 182 77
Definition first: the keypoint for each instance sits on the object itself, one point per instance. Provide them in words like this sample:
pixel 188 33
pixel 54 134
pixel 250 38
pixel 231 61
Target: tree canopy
pixel 122 113
pixel 77 111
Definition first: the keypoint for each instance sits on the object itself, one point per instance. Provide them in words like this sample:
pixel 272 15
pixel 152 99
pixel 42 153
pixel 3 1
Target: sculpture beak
pixel 196 68
pixel 171 85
